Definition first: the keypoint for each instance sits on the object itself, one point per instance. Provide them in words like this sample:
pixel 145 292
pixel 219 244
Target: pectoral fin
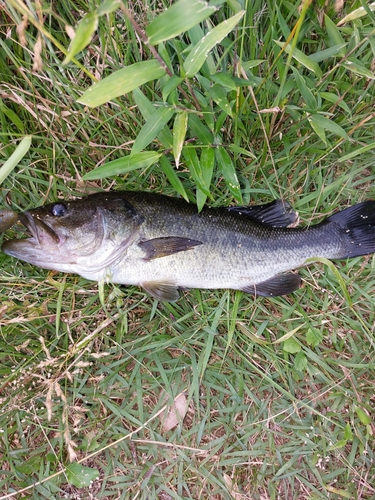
pixel 282 284
pixel 166 290
pixel 161 247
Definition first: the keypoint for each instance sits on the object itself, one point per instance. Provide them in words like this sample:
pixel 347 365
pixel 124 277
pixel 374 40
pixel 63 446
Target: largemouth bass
pixel 162 244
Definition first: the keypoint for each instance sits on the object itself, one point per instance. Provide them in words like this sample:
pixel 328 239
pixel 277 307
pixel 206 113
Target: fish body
pixel 163 244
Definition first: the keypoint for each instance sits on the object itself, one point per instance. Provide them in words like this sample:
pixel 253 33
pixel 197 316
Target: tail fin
pixel 358 229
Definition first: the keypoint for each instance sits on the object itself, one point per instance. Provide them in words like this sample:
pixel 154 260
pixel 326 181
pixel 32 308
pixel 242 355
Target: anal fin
pixel 168 245
pixel 162 290
pixel 281 284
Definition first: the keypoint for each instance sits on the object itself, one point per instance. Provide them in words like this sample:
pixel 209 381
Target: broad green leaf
pixel 193 164
pixel 179 134
pixel 121 82
pixel 329 125
pixel 172 176
pixel 334 34
pixel 302 58
pixel 362 415
pixel 123 165
pixel 228 170
pixel 155 123
pixel 107 7
pixel 348 433
pixel 179 17
pixel 219 95
pixel 80 476
pixel 15 158
pixel 300 361
pixel 358 68
pixel 291 346
pixel 146 107
pixel 199 52
pixel 356 14
pixel 306 93
pixel 83 36
pixel 314 337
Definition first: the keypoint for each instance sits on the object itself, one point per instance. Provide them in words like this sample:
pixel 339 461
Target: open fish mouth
pixel 41 233
pixel 40 247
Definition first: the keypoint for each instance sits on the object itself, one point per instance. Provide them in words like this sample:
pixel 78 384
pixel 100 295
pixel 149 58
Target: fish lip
pixel 39 230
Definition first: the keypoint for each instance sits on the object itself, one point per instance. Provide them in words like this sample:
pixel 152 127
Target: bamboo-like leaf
pixel 334 34
pixel 179 133
pixel 123 165
pixel 179 17
pixel 306 93
pixel 319 130
pixel 121 82
pixel 172 176
pixel 325 54
pixel 356 152
pixel 153 126
pixel 329 125
pixel 358 68
pixel 199 129
pixel 219 95
pixel 146 107
pixel 15 158
pixel 107 7
pixel 356 14
pixel 302 58
pixel 207 163
pixel 195 169
pixel 199 52
pixel 335 99
pixel 228 170
pixel 172 83
pixel 83 36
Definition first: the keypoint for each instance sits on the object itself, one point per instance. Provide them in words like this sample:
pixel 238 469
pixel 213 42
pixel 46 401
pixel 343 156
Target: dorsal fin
pixel 278 213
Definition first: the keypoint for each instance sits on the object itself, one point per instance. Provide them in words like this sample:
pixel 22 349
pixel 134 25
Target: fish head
pixel 81 236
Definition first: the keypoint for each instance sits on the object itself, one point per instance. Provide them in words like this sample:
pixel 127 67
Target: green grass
pixel 280 391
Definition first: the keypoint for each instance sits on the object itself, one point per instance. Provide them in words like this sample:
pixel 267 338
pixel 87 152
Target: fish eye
pixel 58 209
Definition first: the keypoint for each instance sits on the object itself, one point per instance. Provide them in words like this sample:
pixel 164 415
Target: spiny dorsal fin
pixel 278 213
pixel 282 284
pixel 161 247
